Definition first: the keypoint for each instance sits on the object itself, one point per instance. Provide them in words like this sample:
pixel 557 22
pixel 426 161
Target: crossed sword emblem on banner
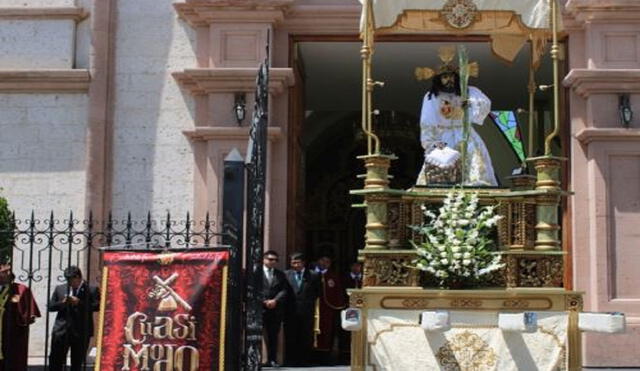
pixel 169 298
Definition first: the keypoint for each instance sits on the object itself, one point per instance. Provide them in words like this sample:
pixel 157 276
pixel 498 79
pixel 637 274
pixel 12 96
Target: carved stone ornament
pixel 460 14
pixel 466 351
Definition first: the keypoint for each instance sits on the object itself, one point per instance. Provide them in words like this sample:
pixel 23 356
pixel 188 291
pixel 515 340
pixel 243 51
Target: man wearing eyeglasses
pixel 275 289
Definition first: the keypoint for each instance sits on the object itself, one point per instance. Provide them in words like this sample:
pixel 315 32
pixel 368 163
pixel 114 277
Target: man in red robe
pixel 19 310
pixel 332 301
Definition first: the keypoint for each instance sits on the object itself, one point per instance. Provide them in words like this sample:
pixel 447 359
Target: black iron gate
pixel 256 183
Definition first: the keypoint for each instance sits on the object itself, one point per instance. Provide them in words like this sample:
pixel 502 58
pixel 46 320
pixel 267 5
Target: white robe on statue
pixel 441 121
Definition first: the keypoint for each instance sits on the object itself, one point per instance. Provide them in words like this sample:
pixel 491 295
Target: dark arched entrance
pixel 331 145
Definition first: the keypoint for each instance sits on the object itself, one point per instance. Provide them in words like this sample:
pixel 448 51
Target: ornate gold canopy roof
pixel 509 23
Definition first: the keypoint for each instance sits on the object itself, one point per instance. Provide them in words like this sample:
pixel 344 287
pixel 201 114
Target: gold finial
pixel 166 259
pixel 424 73
pixel 446 53
pixel 473 69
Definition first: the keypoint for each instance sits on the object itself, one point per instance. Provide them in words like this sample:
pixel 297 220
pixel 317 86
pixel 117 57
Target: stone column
pixel 231 41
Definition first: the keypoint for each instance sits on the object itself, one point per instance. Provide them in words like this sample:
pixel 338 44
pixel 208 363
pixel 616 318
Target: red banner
pixel 162 311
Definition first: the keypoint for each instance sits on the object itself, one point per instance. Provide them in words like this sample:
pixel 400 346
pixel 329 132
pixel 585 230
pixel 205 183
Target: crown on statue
pixel 446 55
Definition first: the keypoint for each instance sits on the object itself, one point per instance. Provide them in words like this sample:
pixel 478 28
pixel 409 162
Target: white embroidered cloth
pixel 474 342
pixel 442 157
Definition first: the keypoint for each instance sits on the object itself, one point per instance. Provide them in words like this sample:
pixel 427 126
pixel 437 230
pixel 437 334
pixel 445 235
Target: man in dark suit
pixel 299 320
pixel 332 301
pixel 275 288
pixel 75 303
pixel 353 279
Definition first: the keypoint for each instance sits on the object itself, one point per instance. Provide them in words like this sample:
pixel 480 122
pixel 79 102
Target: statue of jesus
pixel 441 122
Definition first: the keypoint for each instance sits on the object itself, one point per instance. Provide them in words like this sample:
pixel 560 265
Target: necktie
pixel 270 275
pixel 299 279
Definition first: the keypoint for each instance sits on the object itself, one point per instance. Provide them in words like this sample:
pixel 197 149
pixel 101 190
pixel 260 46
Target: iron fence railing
pixel 42 248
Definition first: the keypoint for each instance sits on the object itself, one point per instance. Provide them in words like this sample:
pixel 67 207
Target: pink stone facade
pixel 604 56
pixel 213 51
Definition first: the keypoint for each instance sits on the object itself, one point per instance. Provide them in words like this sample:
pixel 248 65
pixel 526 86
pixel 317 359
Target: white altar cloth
pixel 397 342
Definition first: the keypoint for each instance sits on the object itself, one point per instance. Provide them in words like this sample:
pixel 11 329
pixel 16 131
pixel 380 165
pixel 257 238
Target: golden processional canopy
pixel 508 23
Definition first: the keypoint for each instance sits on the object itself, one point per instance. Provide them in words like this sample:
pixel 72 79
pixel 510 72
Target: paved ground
pixel 346 368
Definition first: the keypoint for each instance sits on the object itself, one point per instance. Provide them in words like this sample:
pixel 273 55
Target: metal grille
pixel 42 248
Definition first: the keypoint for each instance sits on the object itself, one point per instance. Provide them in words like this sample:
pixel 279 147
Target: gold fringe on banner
pixel 316 323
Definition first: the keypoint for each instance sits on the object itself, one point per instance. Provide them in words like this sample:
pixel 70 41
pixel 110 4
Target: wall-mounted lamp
pixel 624 109
pixel 239 108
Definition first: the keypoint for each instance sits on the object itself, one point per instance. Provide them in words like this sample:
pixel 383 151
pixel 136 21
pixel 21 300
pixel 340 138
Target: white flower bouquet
pixel 458 248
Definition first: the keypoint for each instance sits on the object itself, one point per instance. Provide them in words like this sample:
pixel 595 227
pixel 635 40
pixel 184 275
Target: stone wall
pixel 44 108
pixel 29 44
pixel 42 147
pixel 37 3
pixel 152 159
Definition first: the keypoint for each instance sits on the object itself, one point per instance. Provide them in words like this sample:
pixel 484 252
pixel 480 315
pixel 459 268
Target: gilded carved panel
pixel 529 270
pixel 394 270
pixel 516 229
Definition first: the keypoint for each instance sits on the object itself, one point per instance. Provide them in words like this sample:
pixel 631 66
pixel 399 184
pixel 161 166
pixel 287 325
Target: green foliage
pixel 6 229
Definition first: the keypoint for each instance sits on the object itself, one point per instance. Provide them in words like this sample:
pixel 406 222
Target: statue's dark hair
pixel 436 85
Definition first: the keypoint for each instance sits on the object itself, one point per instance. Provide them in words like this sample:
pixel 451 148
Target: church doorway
pixel 334 226
pixel 327 136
